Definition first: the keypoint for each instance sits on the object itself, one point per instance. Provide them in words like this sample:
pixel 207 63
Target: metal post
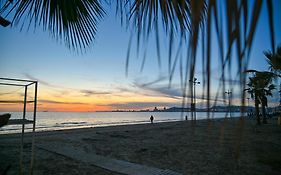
pixel 194 101
pixel 229 93
pixel 194 82
pixel 22 131
pixel 33 130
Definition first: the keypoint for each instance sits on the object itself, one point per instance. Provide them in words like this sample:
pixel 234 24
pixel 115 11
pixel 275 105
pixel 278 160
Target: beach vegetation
pixel 259 87
pixel 260 84
pixel 274 60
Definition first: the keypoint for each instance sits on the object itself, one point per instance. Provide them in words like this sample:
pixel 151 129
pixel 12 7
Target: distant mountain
pixel 180 109
pixel 212 109
pixel 232 108
pixel 177 109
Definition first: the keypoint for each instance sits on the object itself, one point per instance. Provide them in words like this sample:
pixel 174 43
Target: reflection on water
pixel 68 120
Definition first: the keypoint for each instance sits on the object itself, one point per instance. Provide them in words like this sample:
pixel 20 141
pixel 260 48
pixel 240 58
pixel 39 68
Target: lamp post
pixel 248 104
pixel 229 94
pixel 193 105
pixel 280 96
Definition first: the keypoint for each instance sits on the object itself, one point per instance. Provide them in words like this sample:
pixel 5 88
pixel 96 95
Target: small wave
pixel 73 123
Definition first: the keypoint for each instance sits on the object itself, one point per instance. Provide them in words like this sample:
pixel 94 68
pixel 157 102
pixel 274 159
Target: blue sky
pixel 99 73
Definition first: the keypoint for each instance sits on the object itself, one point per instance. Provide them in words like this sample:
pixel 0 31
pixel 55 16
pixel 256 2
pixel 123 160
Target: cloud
pixel 93 92
pixel 230 81
pixel 60 102
pixel 151 89
pixel 171 92
pixel 85 92
pixel 39 80
pixel 160 79
pixel 124 89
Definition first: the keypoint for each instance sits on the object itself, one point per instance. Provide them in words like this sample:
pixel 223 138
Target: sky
pixel 96 80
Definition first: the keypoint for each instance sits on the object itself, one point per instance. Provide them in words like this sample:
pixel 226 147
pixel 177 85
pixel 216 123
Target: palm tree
pixel 252 90
pixel 266 92
pixel 260 87
pixel 274 60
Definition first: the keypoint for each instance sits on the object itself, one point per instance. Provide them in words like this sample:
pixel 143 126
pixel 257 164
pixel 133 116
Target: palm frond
pixel 274 60
pixel 271 24
pixel 73 21
pixel 195 19
pixel 146 16
pixel 4 22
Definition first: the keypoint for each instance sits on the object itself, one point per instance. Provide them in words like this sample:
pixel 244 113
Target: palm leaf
pixel 274 60
pixel 271 24
pixel 73 21
pixel 147 15
pixel 4 22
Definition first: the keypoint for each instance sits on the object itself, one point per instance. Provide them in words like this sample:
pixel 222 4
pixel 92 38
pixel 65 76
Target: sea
pixel 49 121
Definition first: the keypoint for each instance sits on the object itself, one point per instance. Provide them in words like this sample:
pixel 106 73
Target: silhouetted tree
pixel 274 61
pixel 252 90
pixel 259 88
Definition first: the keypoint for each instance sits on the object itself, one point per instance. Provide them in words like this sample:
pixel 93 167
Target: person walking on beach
pixel 151 119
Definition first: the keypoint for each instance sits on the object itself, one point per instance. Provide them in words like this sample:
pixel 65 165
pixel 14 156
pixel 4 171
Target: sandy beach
pixel 222 146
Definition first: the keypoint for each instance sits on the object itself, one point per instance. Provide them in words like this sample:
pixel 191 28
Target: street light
pixel 193 105
pixel 229 94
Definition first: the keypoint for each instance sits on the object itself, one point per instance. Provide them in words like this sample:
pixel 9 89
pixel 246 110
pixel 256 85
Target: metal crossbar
pixel 14 79
pixel 16 101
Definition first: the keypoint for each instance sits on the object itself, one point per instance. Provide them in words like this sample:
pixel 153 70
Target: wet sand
pixel 222 146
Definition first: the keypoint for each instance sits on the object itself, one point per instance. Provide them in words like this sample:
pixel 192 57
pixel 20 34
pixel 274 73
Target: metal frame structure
pixel 26 84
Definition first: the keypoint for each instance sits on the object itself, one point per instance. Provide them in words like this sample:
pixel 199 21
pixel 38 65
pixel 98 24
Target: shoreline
pixel 48 129
pixel 133 125
pixel 57 121
pixel 85 129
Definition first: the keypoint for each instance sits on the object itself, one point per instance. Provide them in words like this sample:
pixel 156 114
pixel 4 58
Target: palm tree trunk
pixel 263 111
pixel 257 111
pixel 263 114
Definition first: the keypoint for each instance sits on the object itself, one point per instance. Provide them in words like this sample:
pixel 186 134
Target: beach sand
pixel 222 146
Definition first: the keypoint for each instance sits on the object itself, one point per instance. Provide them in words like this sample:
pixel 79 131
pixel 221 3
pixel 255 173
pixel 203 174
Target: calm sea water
pixel 47 121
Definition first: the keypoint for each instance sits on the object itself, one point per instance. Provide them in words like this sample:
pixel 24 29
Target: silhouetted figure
pixel 186 117
pixel 151 119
